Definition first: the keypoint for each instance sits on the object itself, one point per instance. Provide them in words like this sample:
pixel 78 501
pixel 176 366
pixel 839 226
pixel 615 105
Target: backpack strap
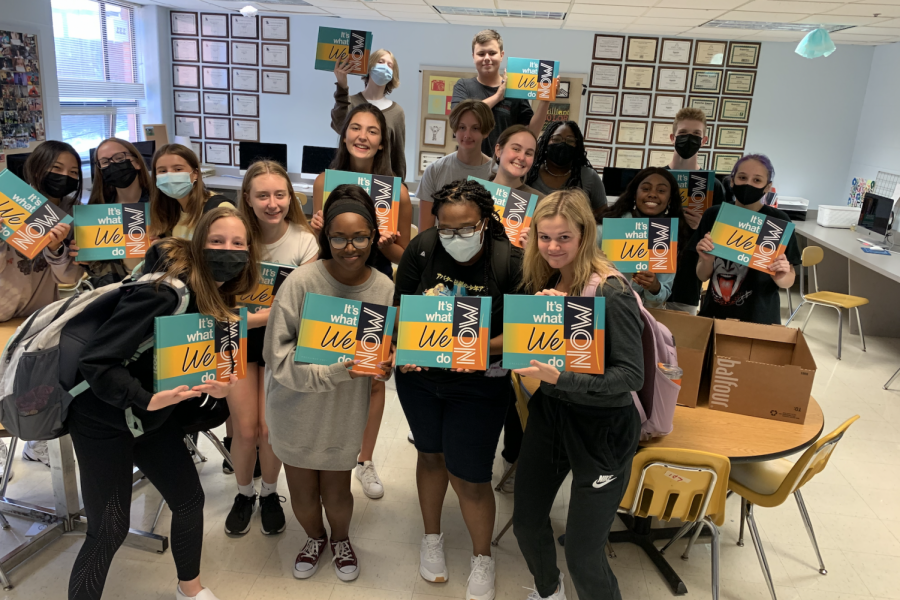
pixel 500 260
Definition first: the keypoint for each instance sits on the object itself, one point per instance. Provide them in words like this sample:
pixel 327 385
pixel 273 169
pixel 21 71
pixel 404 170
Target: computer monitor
pixel 876 213
pixel 254 151
pixel 615 180
pixel 16 163
pixel 316 159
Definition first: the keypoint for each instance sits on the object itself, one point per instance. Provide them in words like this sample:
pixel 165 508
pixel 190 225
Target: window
pixel 96 63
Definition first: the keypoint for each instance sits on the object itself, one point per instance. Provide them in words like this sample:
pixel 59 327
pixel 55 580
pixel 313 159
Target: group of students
pixel 321 421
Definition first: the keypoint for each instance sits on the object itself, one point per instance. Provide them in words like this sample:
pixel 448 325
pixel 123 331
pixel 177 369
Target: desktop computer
pixel 876 214
pixel 316 159
pixel 250 152
pixel 615 180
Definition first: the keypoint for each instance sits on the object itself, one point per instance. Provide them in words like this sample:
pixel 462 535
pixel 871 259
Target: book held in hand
pixel 697 189
pixel 111 231
pixel 514 207
pixel 445 332
pixel 384 190
pixel 641 245
pixel 749 238
pixel 28 217
pixel 532 78
pixel 336 44
pixel 271 276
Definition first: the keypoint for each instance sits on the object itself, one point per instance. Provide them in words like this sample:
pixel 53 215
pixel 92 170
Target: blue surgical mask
pixel 381 74
pixel 174 185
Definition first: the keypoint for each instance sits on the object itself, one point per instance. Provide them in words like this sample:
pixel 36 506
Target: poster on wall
pixel 440 92
pixel 22 118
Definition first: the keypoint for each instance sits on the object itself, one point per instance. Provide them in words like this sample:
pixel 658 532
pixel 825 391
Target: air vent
pixel 466 11
pixel 767 26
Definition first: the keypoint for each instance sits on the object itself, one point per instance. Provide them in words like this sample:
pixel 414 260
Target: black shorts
pixel 256 337
pixel 461 419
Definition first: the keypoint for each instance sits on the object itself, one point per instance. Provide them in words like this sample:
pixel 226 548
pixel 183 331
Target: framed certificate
pixel 659 158
pixel 214 51
pixel 215 103
pixel 675 51
pixel 197 148
pixel 608 47
pixel 740 82
pixel 709 53
pixel 189 126
pixel 244 80
pixel 731 137
pixel 635 105
pixel 246 130
pixel 641 49
pixel 602 103
pixel 667 107
pixel 218 154
pixel 735 110
pixel 598 156
pixel 213 25
pixel 702 160
pixel 628 158
pixel 186 76
pixel 187 101
pixel 638 78
pixel 236 151
pixel 632 133
pixel 276 29
pixel 245 53
pixel 599 131
pixel 276 82
pixel 660 132
pixel 710 136
pixel 605 76
pixel 744 55
pixel 245 105
pixel 723 162
pixel 672 79
pixel 706 81
pixel 217 128
pixel 215 78
pixel 185 50
pixel 246 28
pixel 709 106
pixel 276 55
pixel 183 23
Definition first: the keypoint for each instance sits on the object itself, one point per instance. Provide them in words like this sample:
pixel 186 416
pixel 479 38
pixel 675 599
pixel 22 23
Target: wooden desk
pixel 8 328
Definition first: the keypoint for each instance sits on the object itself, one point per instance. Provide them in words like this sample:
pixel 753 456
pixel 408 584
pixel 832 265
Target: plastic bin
pixel 837 216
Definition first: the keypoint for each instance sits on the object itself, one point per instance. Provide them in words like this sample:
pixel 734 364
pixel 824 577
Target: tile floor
pixel 854 504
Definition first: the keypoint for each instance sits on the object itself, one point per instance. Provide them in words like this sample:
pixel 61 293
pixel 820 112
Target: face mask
pixel 561 154
pixel 463 249
pixel 381 74
pixel 119 175
pixel 747 194
pixel 58 186
pixel 687 145
pixel 225 265
pixel 174 185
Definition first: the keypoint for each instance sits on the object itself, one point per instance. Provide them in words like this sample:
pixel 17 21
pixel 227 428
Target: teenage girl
pixel 317 414
pixel 577 422
pixel 219 264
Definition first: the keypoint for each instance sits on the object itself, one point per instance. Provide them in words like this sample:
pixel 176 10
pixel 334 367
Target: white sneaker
pixel 36 452
pixel 368 477
pixel 410 438
pixel 204 594
pixel 432 565
pixel 509 486
pixel 4 455
pixel 481 579
pixel 559 594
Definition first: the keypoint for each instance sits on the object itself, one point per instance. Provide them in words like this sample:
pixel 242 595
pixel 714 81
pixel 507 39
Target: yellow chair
pixel 413 231
pixel 768 484
pixel 813 255
pixel 523 394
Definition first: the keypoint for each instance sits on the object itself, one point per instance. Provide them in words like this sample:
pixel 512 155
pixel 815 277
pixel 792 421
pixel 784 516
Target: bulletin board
pixel 22 115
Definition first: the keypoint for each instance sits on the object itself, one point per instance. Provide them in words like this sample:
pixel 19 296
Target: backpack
pixel 499 258
pixel 39 374
pixel 656 399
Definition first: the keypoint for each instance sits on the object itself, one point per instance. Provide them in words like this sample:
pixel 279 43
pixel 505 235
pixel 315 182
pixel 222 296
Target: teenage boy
pixel 490 87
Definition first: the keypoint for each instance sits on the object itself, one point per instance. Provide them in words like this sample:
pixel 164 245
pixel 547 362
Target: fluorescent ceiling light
pixel 499 12
pixel 772 26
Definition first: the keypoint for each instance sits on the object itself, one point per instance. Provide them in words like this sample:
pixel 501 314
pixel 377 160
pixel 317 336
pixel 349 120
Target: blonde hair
pixel 486 35
pixel 165 211
pixel 688 113
pixel 294 214
pixel 394 83
pixel 573 206
pixel 483 114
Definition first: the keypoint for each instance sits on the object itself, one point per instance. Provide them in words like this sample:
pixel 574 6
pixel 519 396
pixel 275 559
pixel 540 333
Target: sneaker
pixel 509 486
pixel 481 579
pixel 432 565
pixel 307 562
pixel 410 438
pixel 204 594
pixel 238 520
pixel 346 565
pixel 4 455
pixel 36 452
pixel 257 470
pixel 368 477
pixel 271 513
pixel 226 468
pixel 559 594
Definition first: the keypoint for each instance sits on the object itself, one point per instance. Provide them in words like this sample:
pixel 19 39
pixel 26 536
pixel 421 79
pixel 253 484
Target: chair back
pixel 413 231
pixel 812 255
pixel 522 397
pixel 669 483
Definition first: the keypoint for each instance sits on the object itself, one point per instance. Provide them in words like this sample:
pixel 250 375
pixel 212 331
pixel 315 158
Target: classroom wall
pixel 155 58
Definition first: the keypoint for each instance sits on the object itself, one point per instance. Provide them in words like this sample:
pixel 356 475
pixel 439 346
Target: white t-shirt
pixel 381 103
pixel 295 247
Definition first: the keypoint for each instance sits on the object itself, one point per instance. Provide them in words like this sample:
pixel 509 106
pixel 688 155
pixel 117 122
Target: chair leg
pixel 714 531
pixel 840 330
pixel 893 377
pixel 7 468
pixel 503 531
pixel 760 552
pixel 4 580
pixel 691 542
pixel 681 532
pixel 795 311
pixel 162 504
pixel 506 476
pixel 859 324
pixel 192 446
pixel 808 315
pixel 809 529
pixel 609 549
pixel 220 447
pixel 740 541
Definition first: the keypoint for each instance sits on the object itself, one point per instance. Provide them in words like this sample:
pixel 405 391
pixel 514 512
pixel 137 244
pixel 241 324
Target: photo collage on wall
pixel 22 118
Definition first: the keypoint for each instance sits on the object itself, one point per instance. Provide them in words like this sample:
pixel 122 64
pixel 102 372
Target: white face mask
pixel 463 249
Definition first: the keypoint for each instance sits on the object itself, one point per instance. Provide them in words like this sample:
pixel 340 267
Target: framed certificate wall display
pixel 276 55
pixel 629 158
pixel 608 47
pixel 659 133
pixel 185 50
pixel 599 131
pixel 659 158
pixel 605 76
pixel 276 82
pixel 638 77
pixel 731 137
pixel 735 110
pixel 245 105
pixel 236 151
pixel 598 156
pixel 244 80
pixel 218 154
pixel 710 135
pixel 635 105
pixel 216 103
pixel 246 28
pixel 706 81
pixel 709 53
pixel 214 51
pixel 213 25
pixel 632 133
pixel 189 126
pixel 675 51
pixel 186 76
pixel 245 53
pixel 276 29
pixel 709 106
pixel 183 23
pixel 744 55
pixel 702 160
pixel 723 162
pixel 215 78
pixel 245 130
pixel 642 49
pixel 740 82
pixel 672 79
pixel 217 128
pixel 197 147
pixel 602 103
pixel 187 101
pixel 666 107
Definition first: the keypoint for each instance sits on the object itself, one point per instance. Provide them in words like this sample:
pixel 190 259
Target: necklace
pixel 546 168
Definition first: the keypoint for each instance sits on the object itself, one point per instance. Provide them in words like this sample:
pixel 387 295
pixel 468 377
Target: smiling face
pixel 558 241
pixel 270 198
pixel 66 164
pixel 468 132
pixel 752 172
pixel 487 58
pixel 350 259
pixel 363 138
pixel 653 196
pixel 517 156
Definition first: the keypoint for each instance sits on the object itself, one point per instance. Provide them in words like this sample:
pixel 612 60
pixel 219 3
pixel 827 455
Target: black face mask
pixel 58 186
pixel 119 175
pixel 561 154
pixel 225 265
pixel 687 145
pixel 747 194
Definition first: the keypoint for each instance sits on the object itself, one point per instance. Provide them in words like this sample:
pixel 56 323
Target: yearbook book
pixel 111 231
pixel 532 78
pixel 384 190
pixel 445 332
pixel 27 216
pixel 336 44
pixel 749 238
pixel 193 349
pixel 696 188
pixel 271 276
pixel 639 245
pixel 514 207
pixel 564 332
pixel 337 330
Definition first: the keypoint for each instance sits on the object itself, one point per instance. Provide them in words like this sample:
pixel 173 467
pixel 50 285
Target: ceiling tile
pixel 740 15
pixel 851 37
pixel 654 29
pixel 580 25
pixel 701 4
pixel 414 2
pixel 596 9
pixel 619 2
pixel 600 21
pixel 715 33
pixel 867 10
pixel 890 23
pixel 783 6
pixel 684 13
pixel 478 21
pixel 281 8
pixel 684 23
pixel 885 31
pixel 538 6
pixel 532 23
pixel 781 36
pixel 466 3
pixel 831 19
pixel 409 16
pixel 410 8
pixel 361 15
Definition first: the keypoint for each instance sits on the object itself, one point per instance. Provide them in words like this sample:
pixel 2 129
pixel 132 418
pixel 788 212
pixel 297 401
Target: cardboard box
pixel 691 340
pixel 762 371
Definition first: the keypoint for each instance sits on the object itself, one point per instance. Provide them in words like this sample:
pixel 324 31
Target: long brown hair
pixel 507 134
pixel 382 162
pixel 185 260
pixel 39 163
pixel 166 211
pixel 294 214
pixel 104 194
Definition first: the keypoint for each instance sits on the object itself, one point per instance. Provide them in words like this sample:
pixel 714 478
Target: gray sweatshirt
pixel 27 285
pixel 316 413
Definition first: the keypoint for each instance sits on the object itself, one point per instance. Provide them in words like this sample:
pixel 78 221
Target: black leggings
pixel 106 456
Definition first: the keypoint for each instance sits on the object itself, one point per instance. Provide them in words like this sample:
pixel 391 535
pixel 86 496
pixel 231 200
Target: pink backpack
pixel 656 399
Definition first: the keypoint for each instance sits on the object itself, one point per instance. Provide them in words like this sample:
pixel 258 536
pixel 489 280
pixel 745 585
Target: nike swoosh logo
pixel 603 480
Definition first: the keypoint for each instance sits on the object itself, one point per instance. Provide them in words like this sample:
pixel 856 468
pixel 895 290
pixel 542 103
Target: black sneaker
pixel 272 514
pixel 238 520
pixel 226 468
pixel 257 470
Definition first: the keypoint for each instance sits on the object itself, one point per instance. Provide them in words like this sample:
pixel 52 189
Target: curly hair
pixel 626 203
pixel 540 156
pixel 339 201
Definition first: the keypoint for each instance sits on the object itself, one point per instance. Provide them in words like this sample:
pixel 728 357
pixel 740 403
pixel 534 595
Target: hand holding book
pixel 216 388
pixel 161 400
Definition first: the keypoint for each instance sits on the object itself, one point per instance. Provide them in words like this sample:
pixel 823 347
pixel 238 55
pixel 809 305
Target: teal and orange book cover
pixel 445 331
pixel 514 207
pixel 697 189
pixel 383 189
pixel 27 216
pixel 749 238
pixel 111 231
pixel 271 276
pixel 532 78
pixel 641 245
pixel 334 44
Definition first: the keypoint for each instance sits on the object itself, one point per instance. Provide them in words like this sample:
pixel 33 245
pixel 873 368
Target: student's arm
pixel 341 95
pixel 424 193
pixel 398 146
pixel 63 266
pixel 539 117
pixel 318 219
pixel 394 251
pixel 702 244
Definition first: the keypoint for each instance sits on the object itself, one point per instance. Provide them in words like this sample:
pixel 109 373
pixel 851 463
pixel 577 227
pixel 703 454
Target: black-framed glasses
pixel 463 232
pixel 114 159
pixel 360 243
pixel 558 139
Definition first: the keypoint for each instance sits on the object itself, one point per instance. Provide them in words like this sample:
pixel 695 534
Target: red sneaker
pixel 307 562
pixel 346 565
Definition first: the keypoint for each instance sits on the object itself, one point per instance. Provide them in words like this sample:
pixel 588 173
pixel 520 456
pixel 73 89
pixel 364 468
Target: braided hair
pixel 540 157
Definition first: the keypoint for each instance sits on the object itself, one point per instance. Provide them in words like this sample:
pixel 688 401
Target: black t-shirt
pixel 507 112
pixel 737 291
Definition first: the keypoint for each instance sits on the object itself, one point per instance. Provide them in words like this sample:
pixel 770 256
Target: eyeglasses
pixel 115 158
pixel 558 139
pixel 463 232
pixel 360 243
